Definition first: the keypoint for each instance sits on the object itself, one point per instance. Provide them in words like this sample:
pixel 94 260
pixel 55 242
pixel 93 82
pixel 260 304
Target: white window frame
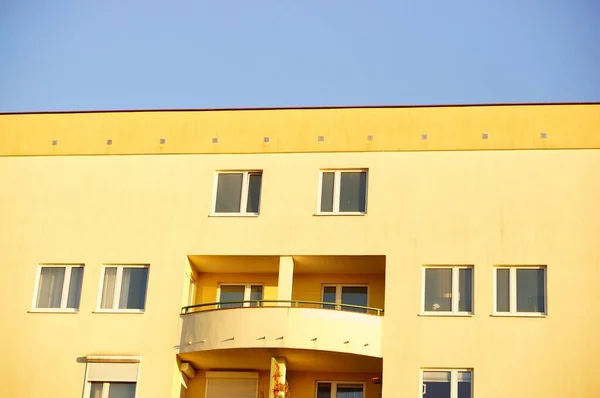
pixel 111 359
pixel 247 291
pixel 455 291
pixel 65 290
pixel 453 379
pixel 244 194
pixel 338 294
pixel 337 180
pixel 334 385
pixel 118 282
pixel 512 286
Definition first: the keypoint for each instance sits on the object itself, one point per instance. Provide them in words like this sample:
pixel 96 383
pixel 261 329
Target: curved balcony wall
pixel 282 327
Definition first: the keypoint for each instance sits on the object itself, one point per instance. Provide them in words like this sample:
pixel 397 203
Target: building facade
pixel 437 252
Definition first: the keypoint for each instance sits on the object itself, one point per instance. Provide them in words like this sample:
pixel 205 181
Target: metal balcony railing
pixel 292 303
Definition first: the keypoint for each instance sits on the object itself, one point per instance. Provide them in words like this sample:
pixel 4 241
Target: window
pixel 233 295
pixel 111 377
pixel 520 290
pixel 237 193
pixel 343 191
pixel 58 288
pixel 124 288
pixel 112 390
pixel 340 390
pixel 447 290
pixel 338 295
pixel 451 383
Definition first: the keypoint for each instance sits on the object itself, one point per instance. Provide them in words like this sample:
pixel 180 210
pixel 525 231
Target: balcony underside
pixel 297 360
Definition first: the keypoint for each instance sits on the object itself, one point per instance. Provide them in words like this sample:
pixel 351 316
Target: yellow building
pixel 437 252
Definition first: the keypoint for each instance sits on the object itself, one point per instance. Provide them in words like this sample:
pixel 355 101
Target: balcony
pixel 289 324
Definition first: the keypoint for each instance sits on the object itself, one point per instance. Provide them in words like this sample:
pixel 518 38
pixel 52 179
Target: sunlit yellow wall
pixel 297 130
pixel 457 207
pixel 207 284
pixel 310 286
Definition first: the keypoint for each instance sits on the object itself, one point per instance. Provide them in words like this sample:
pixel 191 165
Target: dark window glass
pixel 231 296
pixel 133 288
pixel 229 191
pixel 329 297
pixel 254 183
pixel 464 385
pixel 256 294
pixel 353 191
pixel 436 384
pixel 465 289
pixel 355 295
pixel 327 192
pixel 438 289
pixel 530 290
pixel 349 391
pixel 324 390
pixel 502 290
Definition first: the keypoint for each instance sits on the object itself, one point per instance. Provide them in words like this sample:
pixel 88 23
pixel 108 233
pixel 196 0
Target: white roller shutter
pixel 231 386
pixel 119 372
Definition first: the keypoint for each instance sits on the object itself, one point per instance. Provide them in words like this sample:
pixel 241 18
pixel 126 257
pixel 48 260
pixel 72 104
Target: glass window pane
pixel 465 290
pixel 75 287
pixel 108 288
pixel 329 296
pixel 502 290
pixel 121 390
pixel 353 191
pixel 229 192
pixel 436 384
pixel 50 287
pixel 355 295
pixel 438 289
pixel 133 288
pixel 327 192
pixel 464 385
pixel 349 391
pixel 231 293
pixel 256 293
pixel 96 390
pixel 324 390
pixel 530 290
pixel 254 183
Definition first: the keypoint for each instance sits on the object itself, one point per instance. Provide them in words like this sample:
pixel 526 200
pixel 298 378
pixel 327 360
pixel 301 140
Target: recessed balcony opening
pixel 338 283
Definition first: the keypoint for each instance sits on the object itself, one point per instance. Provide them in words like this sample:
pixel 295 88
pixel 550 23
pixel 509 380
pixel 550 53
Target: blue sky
pixel 92 54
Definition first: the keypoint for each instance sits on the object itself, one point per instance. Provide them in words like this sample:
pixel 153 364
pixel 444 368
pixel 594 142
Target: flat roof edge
pixel 301 108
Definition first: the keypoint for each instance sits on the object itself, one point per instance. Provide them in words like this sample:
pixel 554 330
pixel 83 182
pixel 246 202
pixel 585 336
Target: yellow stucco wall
pixel 458 207
pixel 297 130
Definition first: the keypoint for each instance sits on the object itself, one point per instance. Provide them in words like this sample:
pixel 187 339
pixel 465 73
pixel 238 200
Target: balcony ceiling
pixel 297 360
pixel 303 264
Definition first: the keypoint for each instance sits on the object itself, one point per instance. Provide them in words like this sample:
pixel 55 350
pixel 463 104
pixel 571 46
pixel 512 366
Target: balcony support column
pixel 278 383
pixel 286 278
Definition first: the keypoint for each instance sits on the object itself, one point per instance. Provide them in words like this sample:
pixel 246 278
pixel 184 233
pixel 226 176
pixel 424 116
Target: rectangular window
pixel 332 389
pixel 448 290
pixel 451 383
pixel 343 191
pixel 238 193
pixel 338 295
pixel 520 290
pixel 111 377
pixel 58 287
pixel 124 288
pixel 239 295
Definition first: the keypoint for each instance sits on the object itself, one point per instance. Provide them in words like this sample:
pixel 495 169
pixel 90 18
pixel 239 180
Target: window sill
pixel 239 215
pixel 519 315
pixel 340 214
pixel 119 311
pixel 447 314
pixel 53 311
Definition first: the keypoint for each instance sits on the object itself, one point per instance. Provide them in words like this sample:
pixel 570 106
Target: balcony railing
pixel 290 303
